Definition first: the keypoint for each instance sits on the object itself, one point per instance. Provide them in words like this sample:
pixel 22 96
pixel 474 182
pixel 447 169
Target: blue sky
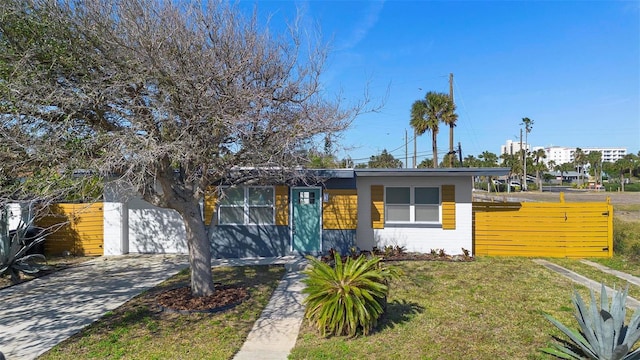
pixel 571 66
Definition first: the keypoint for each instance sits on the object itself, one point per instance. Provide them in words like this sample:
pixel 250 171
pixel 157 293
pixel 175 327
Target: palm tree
pixel 538 155
pixel 594 158
pixel 563 168
pixel 450 117
pixel 428 113
pixel 489 159
pixel 580 160
pixel 528 125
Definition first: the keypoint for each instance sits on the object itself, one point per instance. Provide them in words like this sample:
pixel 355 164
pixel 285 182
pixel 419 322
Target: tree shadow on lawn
pixel 398 312
pixel 143 309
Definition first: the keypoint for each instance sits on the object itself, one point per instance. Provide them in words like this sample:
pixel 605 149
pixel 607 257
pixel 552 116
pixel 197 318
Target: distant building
pixel 608 154
pixel 561 155
pixel 513 147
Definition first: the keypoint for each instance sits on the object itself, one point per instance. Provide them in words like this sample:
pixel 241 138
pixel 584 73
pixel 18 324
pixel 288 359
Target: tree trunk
pixel 435 149
pixel 199 252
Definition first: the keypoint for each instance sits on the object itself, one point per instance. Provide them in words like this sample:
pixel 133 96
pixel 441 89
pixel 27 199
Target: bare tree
pixel 167 97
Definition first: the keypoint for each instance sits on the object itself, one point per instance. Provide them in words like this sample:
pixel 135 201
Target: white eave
pixel 440 172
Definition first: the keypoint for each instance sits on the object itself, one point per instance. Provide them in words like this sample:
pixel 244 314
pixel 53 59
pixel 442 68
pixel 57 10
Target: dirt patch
pixel 181 300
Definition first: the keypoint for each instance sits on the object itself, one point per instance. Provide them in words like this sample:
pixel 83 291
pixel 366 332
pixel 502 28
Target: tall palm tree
pixel 579 160
pixel 428 113
pixel 539 155
pixel 449 117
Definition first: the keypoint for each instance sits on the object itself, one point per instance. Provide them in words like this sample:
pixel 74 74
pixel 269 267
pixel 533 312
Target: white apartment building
pixel 561 155
pixel 512 147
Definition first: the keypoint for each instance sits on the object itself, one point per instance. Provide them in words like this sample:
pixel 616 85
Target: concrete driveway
pixel 37 315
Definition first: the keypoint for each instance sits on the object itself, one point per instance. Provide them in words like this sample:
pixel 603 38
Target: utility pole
pixel 406 149
pixel 460 153
pixel 451 152
pixel 415 149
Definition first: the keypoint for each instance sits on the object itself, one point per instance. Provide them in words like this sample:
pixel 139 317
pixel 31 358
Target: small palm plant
pixel 348 297
pixel 603 334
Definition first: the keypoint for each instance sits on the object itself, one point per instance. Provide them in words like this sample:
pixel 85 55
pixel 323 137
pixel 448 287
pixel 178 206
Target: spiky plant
pixel 603 334
pixel 348 297
pixel 14 248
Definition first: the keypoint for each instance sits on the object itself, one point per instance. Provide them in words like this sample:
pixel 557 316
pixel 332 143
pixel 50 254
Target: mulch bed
pixel 181 301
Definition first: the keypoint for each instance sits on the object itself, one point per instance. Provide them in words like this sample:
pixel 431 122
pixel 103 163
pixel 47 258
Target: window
pixel 247 206
pixel 412 204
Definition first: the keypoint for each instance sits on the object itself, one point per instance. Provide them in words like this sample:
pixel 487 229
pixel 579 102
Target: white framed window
pixel 251 205
pixel 408 204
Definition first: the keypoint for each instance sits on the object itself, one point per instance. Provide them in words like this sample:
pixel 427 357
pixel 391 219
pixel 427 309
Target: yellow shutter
pixel 448 207
pixel 210 199
pixel 340 212
pixel 282 205
pixel 377 206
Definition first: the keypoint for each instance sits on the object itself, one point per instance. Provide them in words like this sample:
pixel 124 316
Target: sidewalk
pixel 595 286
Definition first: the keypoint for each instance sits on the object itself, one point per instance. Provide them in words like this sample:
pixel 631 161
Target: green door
pixel 306 220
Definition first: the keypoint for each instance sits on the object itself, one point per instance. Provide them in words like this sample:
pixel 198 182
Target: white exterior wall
pixel 14 213
pixel 116 230
pixel 132 225
pixel 155 230
pixel 418 238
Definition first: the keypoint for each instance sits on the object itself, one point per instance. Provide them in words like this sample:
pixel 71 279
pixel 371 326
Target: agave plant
pixel 603 334
pixel 348 297
pixel 14 250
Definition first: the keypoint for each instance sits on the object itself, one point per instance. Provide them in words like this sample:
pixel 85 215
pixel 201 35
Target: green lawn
pixel 488 309
pixel 137 330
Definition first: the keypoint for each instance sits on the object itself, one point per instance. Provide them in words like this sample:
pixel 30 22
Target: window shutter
pixel 377 206
pixel 448 207
pixel 282 205
pixel 210 200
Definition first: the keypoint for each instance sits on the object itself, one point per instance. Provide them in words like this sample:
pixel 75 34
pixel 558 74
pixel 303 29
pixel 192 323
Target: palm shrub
pixel 347 297
pixel 603 334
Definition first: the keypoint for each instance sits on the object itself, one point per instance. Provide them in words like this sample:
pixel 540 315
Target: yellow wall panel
pixel 448 207
pixel 340 211
pixel 210 201
pixel 282 205
pixel 543 229
pixel 79 229
pixel 377 206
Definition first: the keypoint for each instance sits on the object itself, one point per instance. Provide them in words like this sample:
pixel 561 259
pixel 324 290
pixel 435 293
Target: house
pixel 420 209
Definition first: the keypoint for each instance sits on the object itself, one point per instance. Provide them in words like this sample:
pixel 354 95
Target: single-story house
pixel 419 209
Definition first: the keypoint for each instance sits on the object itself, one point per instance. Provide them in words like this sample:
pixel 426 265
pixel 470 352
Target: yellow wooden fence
pixel 79 229
pixel 573 230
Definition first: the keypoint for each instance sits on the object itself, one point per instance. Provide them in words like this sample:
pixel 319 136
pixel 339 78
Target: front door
pixel 306 220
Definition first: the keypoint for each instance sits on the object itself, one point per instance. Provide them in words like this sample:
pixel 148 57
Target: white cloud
pixel 362 26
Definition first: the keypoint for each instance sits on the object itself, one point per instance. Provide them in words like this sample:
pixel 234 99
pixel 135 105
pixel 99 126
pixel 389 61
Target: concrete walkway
pixel 37 315
pixel 579 279
pixel 274 334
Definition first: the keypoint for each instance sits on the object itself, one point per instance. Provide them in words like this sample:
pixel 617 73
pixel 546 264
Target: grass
pixel 137 330
pixel 488 309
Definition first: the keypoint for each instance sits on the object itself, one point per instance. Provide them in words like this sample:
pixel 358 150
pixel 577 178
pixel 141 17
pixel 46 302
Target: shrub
pixel 348 297
pixel 14 248
pixel 603 334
